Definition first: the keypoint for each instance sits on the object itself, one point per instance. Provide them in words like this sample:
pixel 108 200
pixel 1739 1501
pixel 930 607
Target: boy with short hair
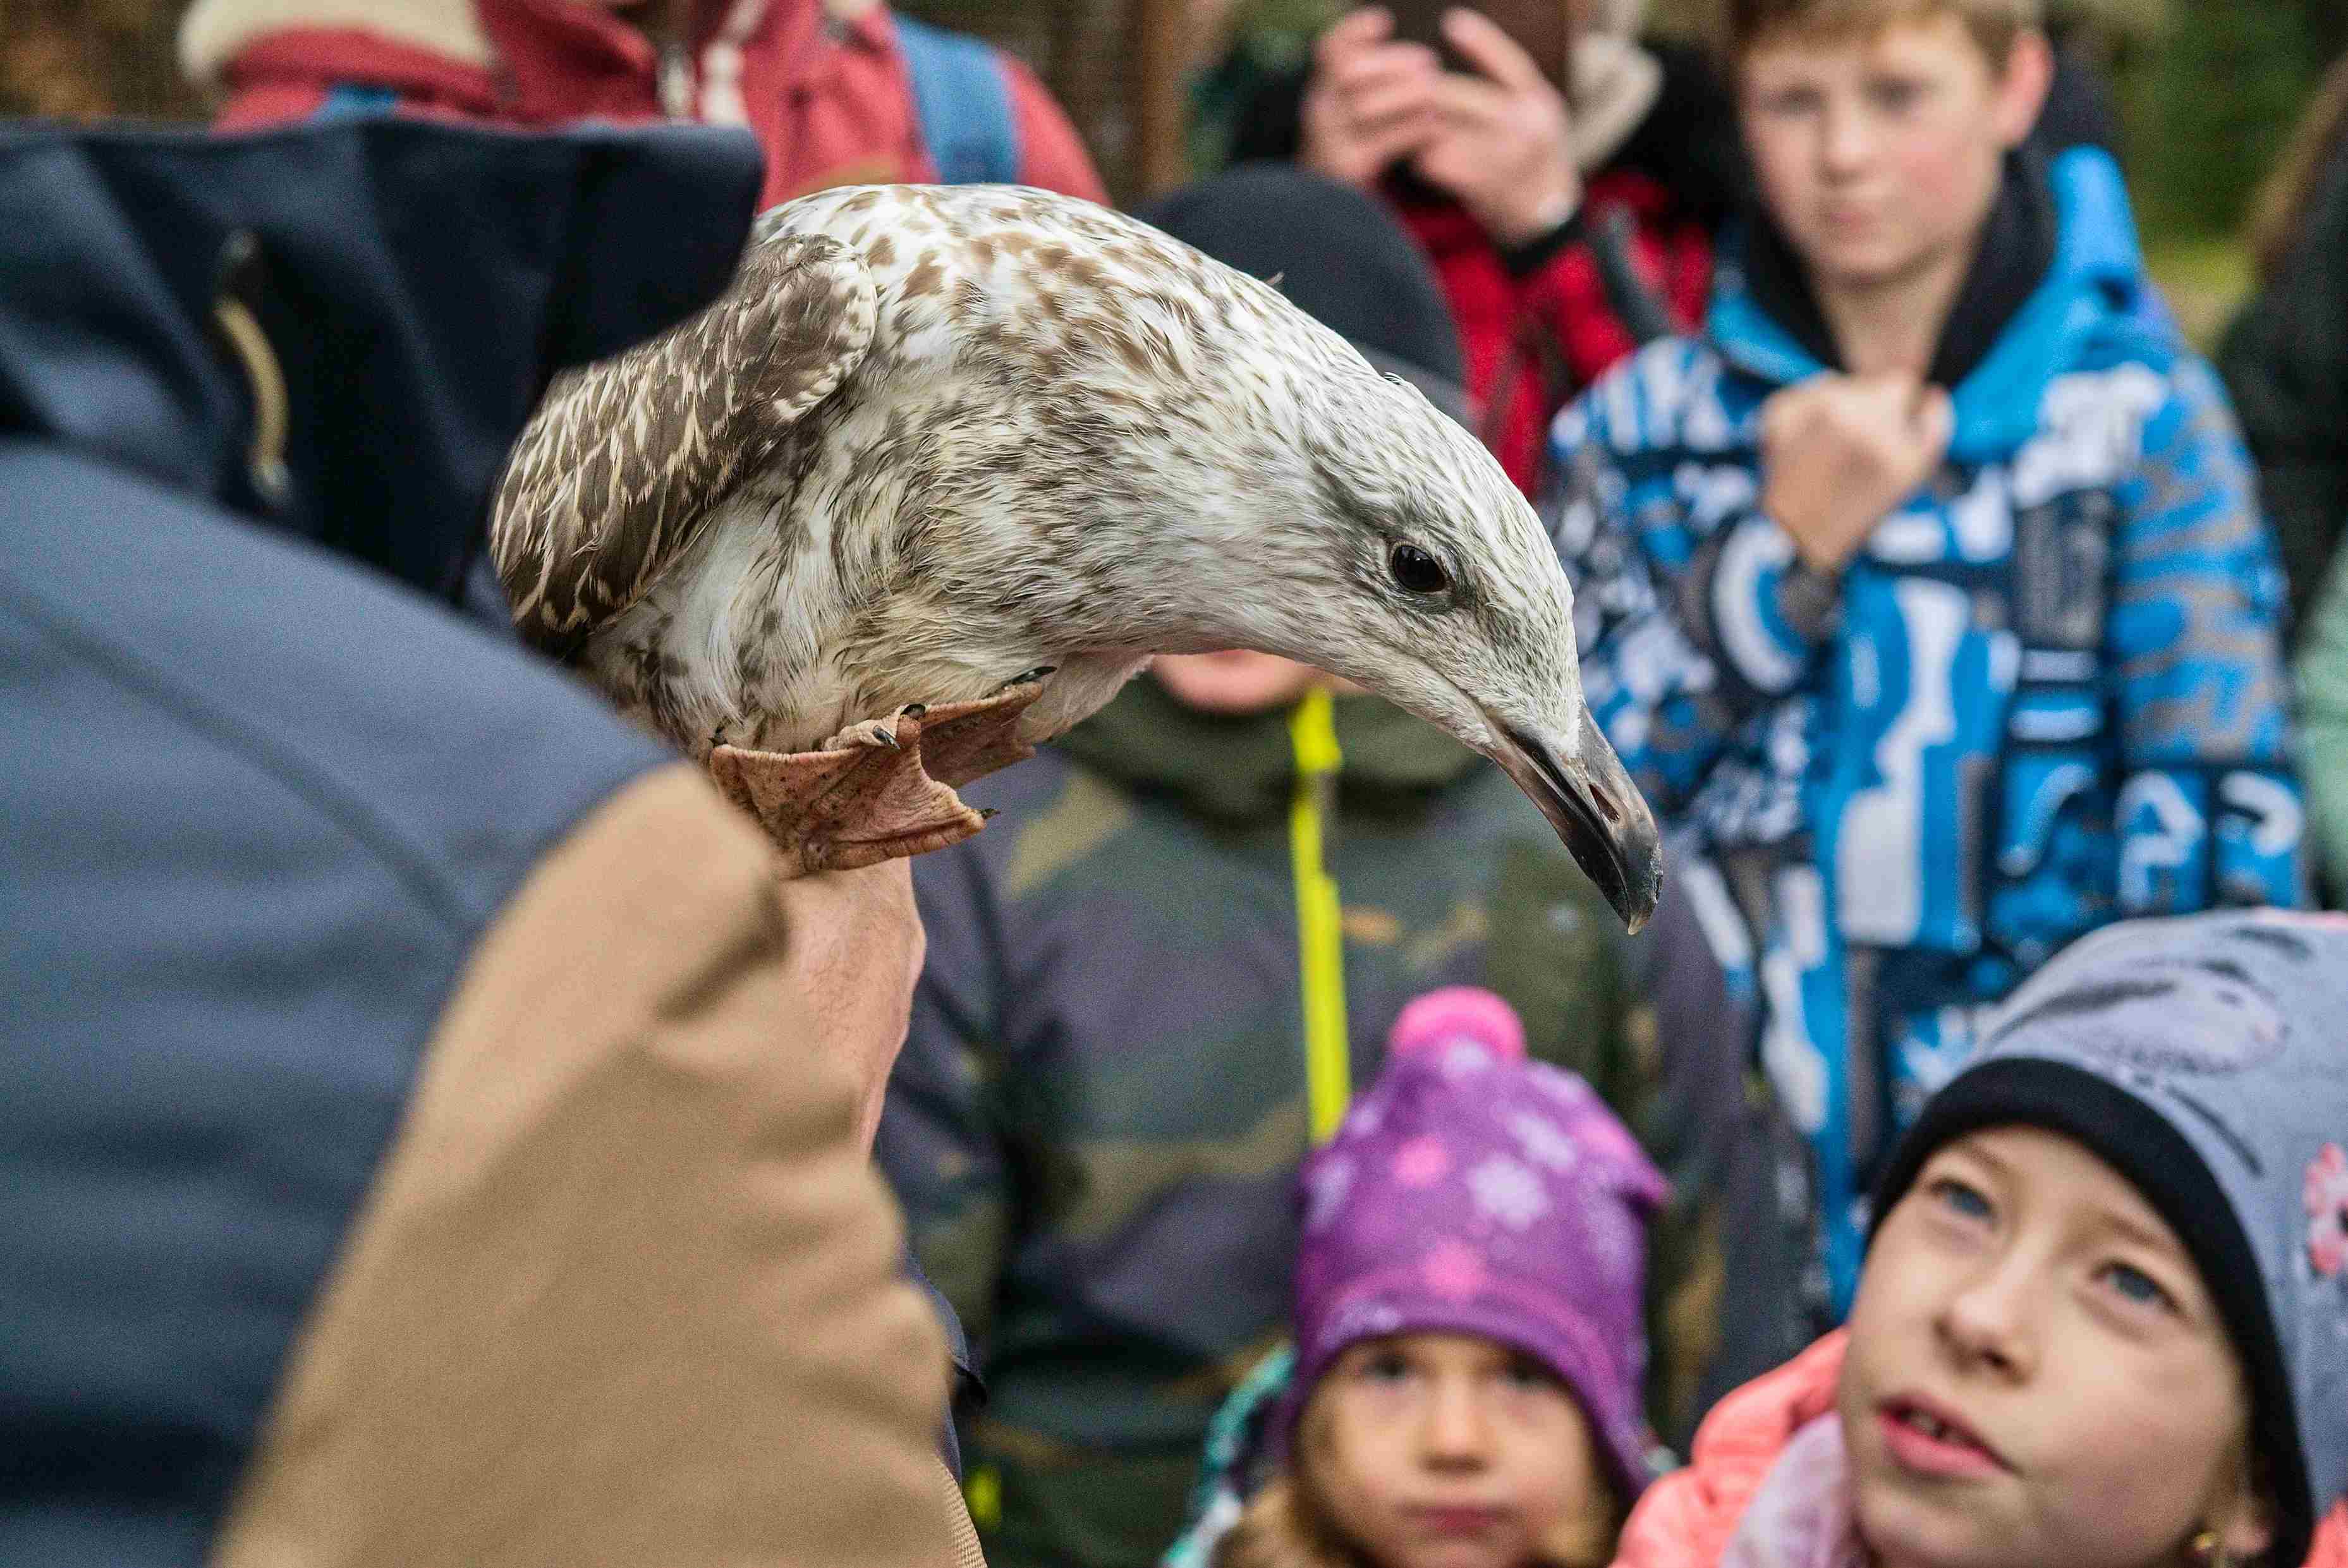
pixel 1928 581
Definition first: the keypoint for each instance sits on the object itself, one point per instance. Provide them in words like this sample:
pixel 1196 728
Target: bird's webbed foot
pixel 965 740
pixel 882 789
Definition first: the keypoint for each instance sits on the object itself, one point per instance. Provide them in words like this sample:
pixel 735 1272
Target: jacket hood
pixel 338 328
pixel 2096 279
pixel 1241 769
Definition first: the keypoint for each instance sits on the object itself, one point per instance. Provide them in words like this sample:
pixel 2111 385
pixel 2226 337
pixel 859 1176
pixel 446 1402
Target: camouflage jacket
pixel 1101 1106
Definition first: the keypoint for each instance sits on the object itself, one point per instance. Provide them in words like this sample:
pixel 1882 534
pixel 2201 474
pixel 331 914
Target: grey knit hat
pixel 2206 1059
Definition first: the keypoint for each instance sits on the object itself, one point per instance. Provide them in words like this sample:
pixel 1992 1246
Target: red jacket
pixel 825 91
pixel 1687 1519
pixel 1533 342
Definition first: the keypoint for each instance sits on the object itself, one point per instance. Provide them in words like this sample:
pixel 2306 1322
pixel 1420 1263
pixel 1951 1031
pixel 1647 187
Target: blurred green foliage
pixel 2208 90
pixel 2204 278
pixel 2210 99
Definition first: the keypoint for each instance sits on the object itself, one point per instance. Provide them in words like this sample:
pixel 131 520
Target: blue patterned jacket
pixel 2050 695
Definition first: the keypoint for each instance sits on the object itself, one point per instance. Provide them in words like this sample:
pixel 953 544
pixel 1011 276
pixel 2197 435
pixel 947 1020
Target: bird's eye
pixel 1416 571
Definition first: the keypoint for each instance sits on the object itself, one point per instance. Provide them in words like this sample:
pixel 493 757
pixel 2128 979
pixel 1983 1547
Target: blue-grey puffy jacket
pixel 264 789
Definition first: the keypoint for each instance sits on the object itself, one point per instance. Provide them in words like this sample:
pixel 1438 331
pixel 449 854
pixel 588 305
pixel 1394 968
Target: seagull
pixel 947 465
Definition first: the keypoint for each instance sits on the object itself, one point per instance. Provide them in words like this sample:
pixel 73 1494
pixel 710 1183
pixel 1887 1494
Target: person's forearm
pixel 856 949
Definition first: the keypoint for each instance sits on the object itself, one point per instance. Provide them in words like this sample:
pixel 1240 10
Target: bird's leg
pixel 881 733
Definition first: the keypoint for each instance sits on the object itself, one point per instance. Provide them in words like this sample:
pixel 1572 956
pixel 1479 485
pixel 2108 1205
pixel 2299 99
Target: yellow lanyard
pixel 1320 927
pixel 1320 963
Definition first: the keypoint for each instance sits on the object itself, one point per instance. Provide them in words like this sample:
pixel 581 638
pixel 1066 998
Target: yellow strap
pixel 1320 930
pixel 984 1492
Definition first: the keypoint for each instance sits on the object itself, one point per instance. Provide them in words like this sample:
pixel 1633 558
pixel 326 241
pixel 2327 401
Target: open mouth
pixel 1599 815
pixel 1928 1438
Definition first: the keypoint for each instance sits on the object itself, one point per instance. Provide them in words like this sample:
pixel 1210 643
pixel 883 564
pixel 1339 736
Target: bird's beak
pixel 1598 812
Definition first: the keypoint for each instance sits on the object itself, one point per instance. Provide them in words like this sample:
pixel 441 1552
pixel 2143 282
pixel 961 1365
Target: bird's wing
pixel 617 472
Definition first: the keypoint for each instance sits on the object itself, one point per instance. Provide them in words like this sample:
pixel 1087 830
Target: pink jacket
pixel 1687 1519
pixel 821 82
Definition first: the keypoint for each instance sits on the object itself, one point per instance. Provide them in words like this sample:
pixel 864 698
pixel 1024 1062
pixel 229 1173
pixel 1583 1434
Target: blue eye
pixel 2136 1286
pixel 1959 1199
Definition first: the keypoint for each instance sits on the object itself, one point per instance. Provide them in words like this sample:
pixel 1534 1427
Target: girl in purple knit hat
pixel 1464 1387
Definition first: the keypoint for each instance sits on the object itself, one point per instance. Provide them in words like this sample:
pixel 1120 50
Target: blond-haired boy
pixel 1927 583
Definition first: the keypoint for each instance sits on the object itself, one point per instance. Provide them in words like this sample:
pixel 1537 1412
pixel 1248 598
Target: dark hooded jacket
pixel 351 1209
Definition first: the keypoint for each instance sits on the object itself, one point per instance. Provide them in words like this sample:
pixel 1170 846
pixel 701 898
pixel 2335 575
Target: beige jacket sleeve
pixel 625 1288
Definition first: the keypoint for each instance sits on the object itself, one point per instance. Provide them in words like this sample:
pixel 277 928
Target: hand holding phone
pixel 1543 29
pixel 1371 101
pixel 1420 21
pixel 1495 136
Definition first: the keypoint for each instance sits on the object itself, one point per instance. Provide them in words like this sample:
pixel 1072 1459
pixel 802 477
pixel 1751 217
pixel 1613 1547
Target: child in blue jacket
pixel 1928 583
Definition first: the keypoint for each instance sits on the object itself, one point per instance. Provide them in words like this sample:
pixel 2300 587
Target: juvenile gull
pixel 947 465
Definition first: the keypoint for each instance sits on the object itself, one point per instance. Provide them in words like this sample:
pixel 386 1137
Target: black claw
pixel 987 813
pixel 1038 673
pixel 887 737
pixel 914 709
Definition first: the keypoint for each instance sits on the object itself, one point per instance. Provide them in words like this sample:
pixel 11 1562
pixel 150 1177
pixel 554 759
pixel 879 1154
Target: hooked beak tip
pixel 1599 815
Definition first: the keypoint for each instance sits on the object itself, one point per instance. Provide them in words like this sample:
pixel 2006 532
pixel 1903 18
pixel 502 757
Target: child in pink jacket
pixel 2103 1317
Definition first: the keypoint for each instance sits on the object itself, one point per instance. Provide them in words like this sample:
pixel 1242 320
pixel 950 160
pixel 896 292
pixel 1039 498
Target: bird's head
pixel 1129 448
pixel 1373 537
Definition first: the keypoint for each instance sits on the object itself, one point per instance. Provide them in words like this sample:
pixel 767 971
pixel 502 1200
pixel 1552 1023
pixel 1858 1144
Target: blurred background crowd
pixel 1148 85
pixel 1132 1029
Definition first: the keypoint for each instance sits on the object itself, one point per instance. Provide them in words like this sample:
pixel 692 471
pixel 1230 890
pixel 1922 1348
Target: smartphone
pixel 1543 28
pixel 1421 22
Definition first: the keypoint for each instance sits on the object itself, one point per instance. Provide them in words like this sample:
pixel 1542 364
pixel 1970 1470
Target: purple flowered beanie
pixel 1470 1190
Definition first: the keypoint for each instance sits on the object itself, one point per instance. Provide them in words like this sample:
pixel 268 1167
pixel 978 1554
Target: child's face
pixel 2036 1373
pixel 1880 155
pixel 1449 1450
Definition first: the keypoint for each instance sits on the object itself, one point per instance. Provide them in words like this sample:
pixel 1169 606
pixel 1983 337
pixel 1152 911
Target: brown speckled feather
pixel 608 486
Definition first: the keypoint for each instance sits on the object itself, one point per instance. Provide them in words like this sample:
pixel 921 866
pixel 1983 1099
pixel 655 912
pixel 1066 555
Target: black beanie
pixel 1340 256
